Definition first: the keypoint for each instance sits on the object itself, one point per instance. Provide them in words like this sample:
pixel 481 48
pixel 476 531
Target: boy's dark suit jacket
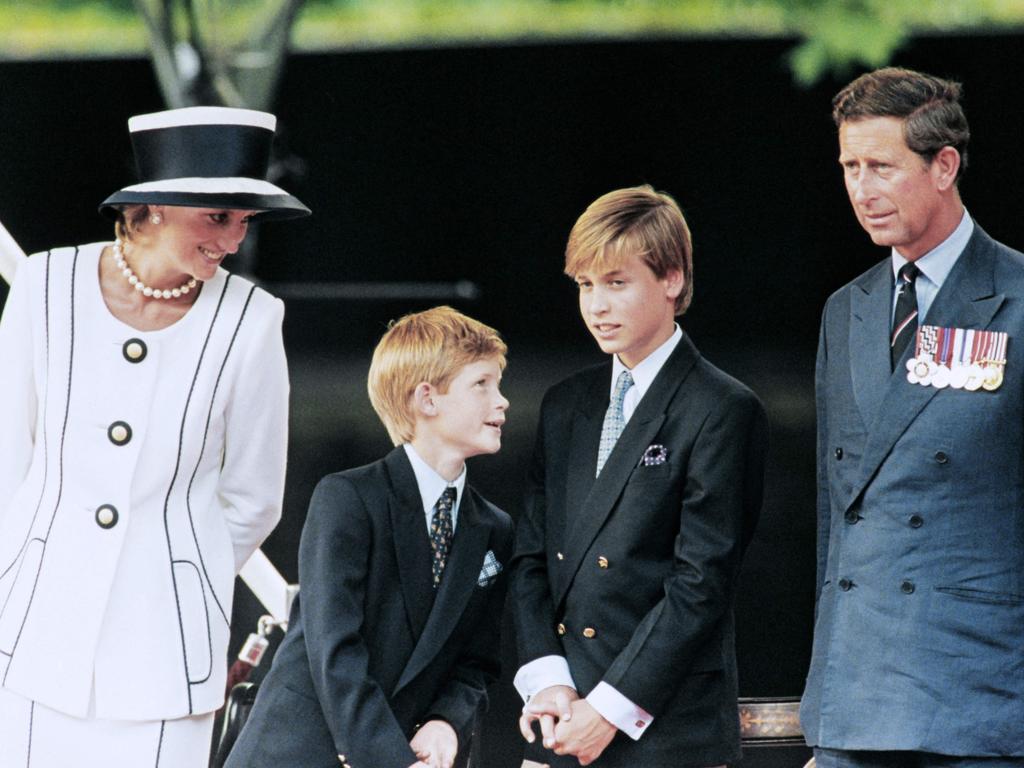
pixel 370 652
pixel 645 556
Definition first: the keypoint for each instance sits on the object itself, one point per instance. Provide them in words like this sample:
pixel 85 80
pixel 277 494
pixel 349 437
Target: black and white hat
pixel 208 157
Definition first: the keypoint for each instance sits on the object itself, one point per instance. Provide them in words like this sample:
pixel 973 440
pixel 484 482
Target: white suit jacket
pixel 142 468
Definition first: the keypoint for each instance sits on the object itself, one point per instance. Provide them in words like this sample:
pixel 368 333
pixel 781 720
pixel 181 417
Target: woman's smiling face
pixel 196 240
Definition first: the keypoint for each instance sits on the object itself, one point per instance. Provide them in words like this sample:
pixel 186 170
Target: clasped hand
pixel 435 744
pixel 568 724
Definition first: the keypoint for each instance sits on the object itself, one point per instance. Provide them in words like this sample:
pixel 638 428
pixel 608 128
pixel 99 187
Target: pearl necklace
pixel 138 285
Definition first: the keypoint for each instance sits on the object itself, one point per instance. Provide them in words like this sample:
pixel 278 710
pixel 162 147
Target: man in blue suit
pixel 918 655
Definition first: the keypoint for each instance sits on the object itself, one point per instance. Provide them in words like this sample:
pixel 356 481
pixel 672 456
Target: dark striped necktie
pixel 904 322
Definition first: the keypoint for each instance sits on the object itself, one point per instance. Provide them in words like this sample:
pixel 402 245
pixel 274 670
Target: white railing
pixel 259 574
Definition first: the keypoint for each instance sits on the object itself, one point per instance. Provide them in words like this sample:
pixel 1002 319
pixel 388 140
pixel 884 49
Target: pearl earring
pixel 156 219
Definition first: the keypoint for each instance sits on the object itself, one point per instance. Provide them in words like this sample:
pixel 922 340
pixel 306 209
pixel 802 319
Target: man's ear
pixel 673 281
pixel 945 166
pixel 423 399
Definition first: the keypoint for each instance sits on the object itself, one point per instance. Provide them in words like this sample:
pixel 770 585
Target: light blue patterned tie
pixel 614 421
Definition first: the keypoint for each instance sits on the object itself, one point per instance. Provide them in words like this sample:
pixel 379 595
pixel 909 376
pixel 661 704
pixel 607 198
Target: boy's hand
pixel 585 735
pixel 548 705
pixel 435 744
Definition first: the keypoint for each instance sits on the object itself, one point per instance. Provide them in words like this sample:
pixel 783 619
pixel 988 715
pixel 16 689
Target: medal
pixel 993 377
pixel 958 377
pixel 975 375
pixel 959 358
pixel 919 370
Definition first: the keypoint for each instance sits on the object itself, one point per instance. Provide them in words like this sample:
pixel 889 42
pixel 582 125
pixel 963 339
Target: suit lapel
pixel 967 299
pixel 469 546
pixel 412 545
pixel 870 310
pixel 588 420
pixel 588 517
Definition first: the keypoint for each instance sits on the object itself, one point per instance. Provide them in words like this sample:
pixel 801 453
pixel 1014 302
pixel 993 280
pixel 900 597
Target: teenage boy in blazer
pixel 629 549
pixel 394 638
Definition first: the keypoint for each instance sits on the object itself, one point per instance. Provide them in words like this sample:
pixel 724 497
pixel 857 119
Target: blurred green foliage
pixel 834 36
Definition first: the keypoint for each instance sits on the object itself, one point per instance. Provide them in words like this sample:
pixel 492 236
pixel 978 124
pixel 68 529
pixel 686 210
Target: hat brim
pixel 268 206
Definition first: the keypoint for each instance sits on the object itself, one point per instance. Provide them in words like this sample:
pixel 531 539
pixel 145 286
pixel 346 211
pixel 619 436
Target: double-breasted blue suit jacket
pixel 371 652
pixel 919 632
pixel 632 576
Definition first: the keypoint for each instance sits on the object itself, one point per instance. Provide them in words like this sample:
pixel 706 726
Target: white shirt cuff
pixel 619 711
pixel 542 673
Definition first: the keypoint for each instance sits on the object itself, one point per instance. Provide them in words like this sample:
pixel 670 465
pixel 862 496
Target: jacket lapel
pixel 586 519
pixel 966 300
pixel 870 310
pixel 588 420
pixel 469 546
pixel 412 545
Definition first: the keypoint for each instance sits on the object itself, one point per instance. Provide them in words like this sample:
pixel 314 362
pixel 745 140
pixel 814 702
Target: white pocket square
pixel 490 570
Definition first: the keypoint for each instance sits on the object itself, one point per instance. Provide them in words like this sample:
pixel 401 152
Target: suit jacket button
pixel 845 585
pixel 602 562
pixel 916 521
pixel 851 517
pixel 941 457
pixel 560 556
pixel 561 628
pixel 839 454
pixel 134 350
pixel 907 587
pixel 119 433
pixel 106 516
pixel 590 633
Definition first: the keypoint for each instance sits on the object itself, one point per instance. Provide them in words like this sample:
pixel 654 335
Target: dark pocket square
pixel 654 456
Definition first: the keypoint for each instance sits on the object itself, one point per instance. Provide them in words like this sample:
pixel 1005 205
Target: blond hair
pixel 633 220
pixel 430 346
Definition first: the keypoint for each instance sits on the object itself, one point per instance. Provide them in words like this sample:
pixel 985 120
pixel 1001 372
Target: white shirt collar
pixel 431 485
pixel 643 373
pixel 940 260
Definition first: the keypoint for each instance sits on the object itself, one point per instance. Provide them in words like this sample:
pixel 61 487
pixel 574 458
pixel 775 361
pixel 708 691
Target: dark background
pixel 472 164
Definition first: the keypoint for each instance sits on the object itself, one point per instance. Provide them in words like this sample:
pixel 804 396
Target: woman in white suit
pixel 143 398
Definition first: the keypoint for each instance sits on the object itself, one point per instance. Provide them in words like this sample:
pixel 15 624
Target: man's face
pixel 895 193
pixel 628 309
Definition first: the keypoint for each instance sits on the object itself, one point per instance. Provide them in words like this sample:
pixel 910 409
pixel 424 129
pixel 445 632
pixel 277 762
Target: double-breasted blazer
pixel 372 652
pixel 920 588
pixel 631 577
pixel 139 470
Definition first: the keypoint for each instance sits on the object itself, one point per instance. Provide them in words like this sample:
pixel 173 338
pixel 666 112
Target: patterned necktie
pixel 441 532
pixel 904 322
pixel 614 421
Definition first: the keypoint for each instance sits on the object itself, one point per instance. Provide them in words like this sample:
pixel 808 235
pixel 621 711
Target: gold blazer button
pixel 561 629
pixel 590 633
pixel 602 562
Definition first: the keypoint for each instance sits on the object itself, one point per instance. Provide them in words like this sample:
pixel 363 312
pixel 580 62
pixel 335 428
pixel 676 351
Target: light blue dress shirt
pixel 935 267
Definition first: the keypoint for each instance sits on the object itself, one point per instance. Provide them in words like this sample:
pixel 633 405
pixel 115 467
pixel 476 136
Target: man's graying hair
pixel 929 106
